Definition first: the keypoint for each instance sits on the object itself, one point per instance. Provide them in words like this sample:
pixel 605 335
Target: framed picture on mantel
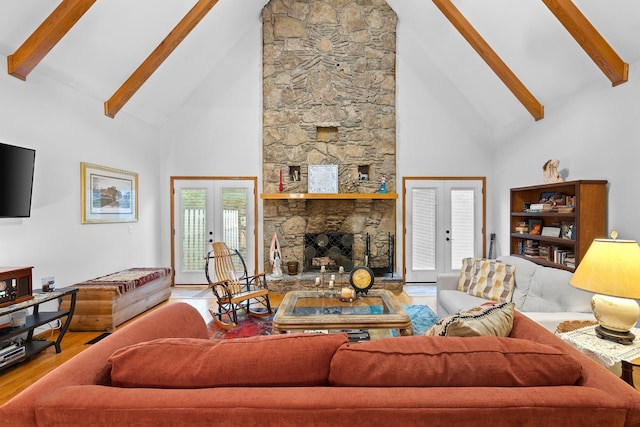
pixel 107 194
pixel 323 178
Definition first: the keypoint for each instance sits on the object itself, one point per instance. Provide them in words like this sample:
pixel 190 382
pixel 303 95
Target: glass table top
pixel 313 310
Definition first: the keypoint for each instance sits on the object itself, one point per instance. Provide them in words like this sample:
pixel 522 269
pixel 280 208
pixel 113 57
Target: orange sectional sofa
pixel 163 370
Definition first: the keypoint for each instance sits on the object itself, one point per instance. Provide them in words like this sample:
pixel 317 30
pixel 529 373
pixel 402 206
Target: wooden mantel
pixel 328 196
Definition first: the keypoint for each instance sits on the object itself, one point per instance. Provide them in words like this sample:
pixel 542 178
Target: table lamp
pixel 611 270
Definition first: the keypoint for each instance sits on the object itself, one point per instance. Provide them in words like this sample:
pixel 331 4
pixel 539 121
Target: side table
pixel 607 353
pixel 34 320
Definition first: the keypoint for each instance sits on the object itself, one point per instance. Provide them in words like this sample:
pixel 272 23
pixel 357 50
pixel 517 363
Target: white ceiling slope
pixel 114 37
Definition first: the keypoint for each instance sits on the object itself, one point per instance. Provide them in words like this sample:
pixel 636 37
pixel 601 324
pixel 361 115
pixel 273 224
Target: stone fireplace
pixel 329 99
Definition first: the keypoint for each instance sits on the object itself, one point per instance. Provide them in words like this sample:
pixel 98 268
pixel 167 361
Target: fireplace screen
pixel 332 250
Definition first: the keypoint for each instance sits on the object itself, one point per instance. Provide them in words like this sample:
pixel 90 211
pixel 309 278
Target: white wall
pixel 66 128
pixel 595 135
pixel 218 130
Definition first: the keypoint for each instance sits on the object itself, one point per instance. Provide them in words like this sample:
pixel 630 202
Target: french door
pixel 444 223
pixel 207 210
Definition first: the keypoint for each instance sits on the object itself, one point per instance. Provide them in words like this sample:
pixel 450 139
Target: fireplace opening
pixel 331 250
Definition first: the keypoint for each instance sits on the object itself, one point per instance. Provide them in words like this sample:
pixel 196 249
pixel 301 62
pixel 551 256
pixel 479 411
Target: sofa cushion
pixel 421 361
pixel 276 360
pixel 493 280
pixel 485 320
pixel 547 290
pixel 524 271
pixel 467 272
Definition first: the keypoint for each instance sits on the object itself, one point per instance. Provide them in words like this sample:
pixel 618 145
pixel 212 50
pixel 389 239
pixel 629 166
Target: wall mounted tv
pixel 16 180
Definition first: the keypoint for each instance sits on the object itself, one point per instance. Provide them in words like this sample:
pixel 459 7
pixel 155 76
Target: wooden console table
pixel 36 319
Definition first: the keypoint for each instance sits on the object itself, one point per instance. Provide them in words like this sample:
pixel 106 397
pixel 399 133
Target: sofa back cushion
pixel 550 291
pixel 270 361
pixel 524 270
pixel 425 361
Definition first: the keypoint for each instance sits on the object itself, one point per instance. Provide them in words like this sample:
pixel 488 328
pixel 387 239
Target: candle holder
pixel 331 291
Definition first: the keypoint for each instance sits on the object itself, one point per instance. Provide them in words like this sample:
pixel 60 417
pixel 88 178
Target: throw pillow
pixel 485 320
pixel 467 271
pixel 420 361
pixel 493 280
pixel 292 360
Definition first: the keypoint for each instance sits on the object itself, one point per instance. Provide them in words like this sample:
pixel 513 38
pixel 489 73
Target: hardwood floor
pixel 17 379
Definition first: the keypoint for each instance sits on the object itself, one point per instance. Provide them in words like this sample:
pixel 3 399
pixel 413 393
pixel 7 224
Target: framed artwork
pixel 568 230
pixel 323 178
pixel 107 194
pixel 551 231
pixel 535 226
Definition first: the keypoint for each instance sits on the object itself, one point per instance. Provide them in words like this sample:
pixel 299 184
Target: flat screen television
pixel 16 180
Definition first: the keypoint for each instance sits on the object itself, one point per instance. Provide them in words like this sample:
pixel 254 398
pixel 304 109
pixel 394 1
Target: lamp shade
pixel 610 267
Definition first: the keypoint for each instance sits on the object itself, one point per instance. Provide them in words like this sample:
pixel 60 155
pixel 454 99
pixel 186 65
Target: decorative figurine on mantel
pixel 550 172
pixel 383 185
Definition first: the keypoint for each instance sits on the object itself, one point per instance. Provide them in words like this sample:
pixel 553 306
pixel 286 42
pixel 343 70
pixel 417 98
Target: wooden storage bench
pixel 108 301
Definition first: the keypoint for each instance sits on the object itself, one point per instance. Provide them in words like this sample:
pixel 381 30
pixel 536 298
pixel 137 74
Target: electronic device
pixel 11 353
pixel 15 285
pixel 6 291
pixel 16 180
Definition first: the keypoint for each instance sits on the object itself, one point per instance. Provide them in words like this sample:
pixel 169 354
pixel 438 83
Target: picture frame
pixel 567 230
pixel 323 178
pixel 551 231
pixel 107 195
pixel 535 226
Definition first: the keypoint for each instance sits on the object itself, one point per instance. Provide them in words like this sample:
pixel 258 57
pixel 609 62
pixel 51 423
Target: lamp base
pixel 625 338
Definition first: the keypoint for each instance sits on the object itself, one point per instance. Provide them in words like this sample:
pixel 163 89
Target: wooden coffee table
pixel 308 310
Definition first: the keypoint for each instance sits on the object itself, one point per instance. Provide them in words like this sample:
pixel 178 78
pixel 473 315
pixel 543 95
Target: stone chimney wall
pixel 329 99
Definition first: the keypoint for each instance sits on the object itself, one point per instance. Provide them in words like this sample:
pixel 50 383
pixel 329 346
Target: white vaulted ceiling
pixel 114 37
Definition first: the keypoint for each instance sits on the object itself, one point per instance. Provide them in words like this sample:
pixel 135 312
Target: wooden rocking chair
pixel 232 290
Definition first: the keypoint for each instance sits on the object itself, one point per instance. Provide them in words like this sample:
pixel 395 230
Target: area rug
pixel 422 318
pixel 248 326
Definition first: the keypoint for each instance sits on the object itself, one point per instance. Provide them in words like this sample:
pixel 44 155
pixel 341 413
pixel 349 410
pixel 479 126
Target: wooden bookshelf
pixel 589 219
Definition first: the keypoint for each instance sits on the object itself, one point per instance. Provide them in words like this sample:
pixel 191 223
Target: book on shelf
pixel 560 255
pixel 531 248
pixel 545 252
pixel 565 209
pixel 570 260
pixel 540 207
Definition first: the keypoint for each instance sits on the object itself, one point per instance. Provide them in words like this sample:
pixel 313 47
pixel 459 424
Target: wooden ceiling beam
pixel 46 36
pixel 491 58
pixel 590 40
pixel 157 57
